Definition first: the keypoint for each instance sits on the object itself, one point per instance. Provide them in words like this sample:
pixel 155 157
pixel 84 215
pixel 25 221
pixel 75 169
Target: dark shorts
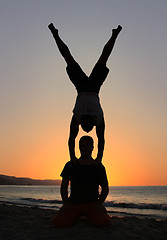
pixel 66 217
pixel 82 82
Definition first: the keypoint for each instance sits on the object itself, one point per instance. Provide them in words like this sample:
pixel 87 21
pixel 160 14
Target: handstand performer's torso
pixel 88 103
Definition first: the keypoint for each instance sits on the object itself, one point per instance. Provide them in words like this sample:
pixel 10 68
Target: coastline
pixel 20 222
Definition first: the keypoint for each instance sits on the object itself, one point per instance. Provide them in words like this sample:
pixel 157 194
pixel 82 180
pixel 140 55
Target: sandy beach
pixel 33 223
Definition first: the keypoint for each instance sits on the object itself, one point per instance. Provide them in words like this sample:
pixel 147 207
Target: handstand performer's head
pixel 87 123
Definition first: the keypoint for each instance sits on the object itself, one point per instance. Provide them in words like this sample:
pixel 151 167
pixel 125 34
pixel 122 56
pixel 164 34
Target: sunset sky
pixel 37 98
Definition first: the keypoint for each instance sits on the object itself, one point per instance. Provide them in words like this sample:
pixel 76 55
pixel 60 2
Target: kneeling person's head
pixel 86 145
pixel 87 123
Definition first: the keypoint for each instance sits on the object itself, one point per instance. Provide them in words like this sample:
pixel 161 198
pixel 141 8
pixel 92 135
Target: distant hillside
pixel 11 180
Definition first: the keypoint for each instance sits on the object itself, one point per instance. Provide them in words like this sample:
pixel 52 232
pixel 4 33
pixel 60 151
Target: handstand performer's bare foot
pixel 52 28
pixel 117 30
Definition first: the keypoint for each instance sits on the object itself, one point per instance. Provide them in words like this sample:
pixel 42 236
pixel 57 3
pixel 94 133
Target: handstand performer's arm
pixel 109 46
pixel 64 50
pixel 101 141
pixel 74 128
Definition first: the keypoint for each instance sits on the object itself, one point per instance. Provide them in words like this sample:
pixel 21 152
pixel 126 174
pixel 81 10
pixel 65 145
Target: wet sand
pixel 23 223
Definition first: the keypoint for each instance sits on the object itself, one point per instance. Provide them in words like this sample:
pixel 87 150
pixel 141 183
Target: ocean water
pixel 146 201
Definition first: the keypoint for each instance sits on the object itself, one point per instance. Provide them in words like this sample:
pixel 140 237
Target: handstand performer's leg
pixel 109 46
pixel 64 50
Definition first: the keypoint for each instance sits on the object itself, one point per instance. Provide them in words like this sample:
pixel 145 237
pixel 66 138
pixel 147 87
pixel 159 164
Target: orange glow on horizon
pixel 125 162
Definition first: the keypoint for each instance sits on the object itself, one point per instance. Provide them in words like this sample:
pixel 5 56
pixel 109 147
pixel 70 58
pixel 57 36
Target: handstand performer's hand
pixel 74 160
pixel 97 161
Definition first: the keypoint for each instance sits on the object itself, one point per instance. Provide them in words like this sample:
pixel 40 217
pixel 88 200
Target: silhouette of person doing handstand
pixel 87 111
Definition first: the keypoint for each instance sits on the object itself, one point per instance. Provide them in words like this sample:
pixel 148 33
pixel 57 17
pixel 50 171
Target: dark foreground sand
pixel 20 223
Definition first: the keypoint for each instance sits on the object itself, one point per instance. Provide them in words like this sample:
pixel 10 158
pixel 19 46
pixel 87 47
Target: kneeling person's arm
pixel 104 193
pixel 64 190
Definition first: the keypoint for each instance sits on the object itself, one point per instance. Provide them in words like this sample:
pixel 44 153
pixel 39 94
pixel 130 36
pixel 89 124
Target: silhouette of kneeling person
pixel 85 178
pixel 87 111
